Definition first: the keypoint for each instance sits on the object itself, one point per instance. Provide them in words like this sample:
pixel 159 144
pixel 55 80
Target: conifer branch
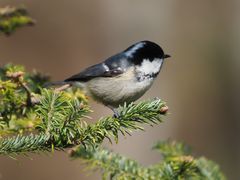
pixel 169 149
pixel 130 118
pixel 113 165
pixel 175 165
pixel 62 123
pixel 12 18
pixel 56 122
pixel 23 144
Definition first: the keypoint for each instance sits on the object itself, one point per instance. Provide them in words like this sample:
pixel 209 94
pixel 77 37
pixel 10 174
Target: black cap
pixel 144 50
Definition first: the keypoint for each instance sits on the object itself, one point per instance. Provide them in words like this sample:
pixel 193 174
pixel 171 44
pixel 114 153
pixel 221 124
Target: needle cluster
pixel 12 18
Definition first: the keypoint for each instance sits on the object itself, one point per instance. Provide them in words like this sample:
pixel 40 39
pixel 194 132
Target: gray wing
pixel 98 70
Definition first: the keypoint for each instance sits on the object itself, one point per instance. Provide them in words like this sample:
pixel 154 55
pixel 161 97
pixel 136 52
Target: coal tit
pixel 124 77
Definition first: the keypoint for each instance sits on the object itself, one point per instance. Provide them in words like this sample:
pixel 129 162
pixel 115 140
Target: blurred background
pixel 200 83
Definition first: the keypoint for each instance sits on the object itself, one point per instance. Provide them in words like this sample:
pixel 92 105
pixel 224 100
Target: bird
pixel 123 77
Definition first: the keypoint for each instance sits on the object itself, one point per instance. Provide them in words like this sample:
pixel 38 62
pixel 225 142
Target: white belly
pixel 117 90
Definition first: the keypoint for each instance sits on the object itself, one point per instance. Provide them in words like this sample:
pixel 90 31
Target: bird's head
pixel 147 56
pixel 144 50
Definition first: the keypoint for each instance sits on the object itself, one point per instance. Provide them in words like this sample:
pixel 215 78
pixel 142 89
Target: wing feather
pixel 98 70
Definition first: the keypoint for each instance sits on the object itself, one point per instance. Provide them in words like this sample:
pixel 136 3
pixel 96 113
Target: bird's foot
pixel 116 113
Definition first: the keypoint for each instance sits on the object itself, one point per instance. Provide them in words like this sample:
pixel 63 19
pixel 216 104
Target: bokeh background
pixel 200 82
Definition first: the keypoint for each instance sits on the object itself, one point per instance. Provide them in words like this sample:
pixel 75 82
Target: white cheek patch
pixel 131 51
pixel 148 67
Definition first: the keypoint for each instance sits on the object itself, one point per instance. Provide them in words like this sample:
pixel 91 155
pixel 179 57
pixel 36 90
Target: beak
pixel 166 56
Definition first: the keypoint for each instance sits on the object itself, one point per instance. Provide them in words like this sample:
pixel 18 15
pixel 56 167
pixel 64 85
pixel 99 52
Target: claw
pixel 115 112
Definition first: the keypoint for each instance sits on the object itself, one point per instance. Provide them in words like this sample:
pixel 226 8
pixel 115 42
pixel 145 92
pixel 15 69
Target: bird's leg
pixel 116 113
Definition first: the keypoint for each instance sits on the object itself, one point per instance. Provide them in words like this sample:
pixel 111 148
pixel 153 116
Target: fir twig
pixel 179 166
pixel 23 144
pixel 12 18
pixel 130 118
pixel 56 122
pixel 114 165
pixel 61 122
pixel 170 149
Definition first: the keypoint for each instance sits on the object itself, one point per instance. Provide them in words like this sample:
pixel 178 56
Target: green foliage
pixel 130 118
pixel 59 115
pixel 209 169
pixel 170 149
pixel 12 18
pixel 16 89
pixel 61 120
pixel 114 165
pixel 175 165
pixel 34 119
pixel 11 94
pixel 23 144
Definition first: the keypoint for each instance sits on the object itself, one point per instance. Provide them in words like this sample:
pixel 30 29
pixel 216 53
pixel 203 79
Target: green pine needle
pixel 34 119
pixel 22 144
pixel 179 167
pixel 12 18
pixel 61 120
